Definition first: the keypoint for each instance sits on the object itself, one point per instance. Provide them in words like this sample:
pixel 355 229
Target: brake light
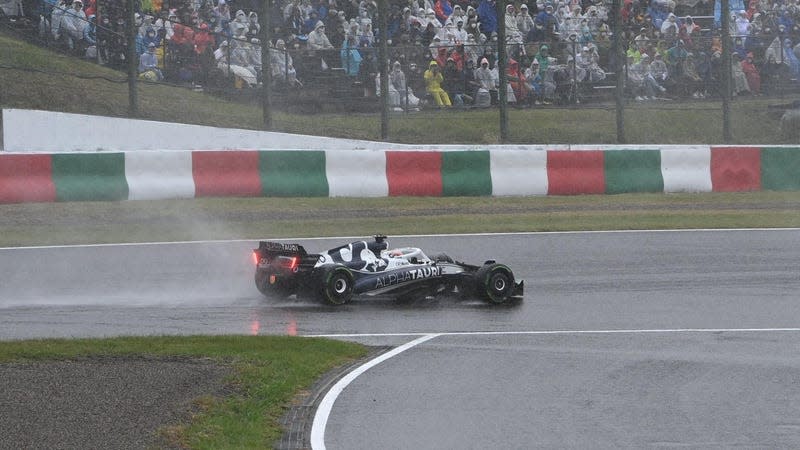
pixel 255 257
pixel 293 262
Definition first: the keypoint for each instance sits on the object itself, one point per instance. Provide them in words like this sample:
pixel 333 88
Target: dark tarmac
pixel 623 339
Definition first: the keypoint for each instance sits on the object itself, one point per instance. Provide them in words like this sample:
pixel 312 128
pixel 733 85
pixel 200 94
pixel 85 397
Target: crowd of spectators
pixel 443 52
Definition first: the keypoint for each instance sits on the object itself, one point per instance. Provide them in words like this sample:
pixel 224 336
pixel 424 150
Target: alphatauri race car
pixel 371 268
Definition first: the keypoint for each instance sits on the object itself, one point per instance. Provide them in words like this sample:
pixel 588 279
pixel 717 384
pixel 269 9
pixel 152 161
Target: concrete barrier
pixel 358 173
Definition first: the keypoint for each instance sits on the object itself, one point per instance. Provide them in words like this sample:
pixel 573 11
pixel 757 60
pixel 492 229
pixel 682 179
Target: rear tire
pixel 275 290
pixel 494 283
pixel 336 285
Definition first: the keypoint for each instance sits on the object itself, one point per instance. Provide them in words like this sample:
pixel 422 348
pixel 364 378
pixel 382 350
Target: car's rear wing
pixel 281 249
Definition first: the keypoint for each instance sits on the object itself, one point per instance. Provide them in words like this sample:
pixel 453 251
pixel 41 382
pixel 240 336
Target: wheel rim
pixel 500 284
pixel 340 286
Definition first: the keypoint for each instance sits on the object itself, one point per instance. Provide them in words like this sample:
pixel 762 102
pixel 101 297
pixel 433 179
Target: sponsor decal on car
pixel 280 247
pixel 402 277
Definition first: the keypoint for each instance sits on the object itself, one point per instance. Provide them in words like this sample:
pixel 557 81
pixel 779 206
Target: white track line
pixel 324 409
pixel 326 405
pixel 567 332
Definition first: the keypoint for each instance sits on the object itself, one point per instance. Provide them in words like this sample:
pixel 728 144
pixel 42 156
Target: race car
pixel 371 268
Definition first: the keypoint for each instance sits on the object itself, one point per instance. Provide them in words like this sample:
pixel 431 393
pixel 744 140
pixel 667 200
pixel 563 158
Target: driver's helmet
pixel 378 245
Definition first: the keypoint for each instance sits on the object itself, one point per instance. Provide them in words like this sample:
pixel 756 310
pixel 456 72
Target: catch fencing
pixel 572 70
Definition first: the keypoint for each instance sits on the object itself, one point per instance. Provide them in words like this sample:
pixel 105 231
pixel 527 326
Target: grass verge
pixel 267 372
pixel 254 218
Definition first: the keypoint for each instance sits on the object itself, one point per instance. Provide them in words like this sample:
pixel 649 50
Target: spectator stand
pixel 213 46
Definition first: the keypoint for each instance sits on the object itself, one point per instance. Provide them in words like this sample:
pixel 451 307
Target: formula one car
pixel 371 268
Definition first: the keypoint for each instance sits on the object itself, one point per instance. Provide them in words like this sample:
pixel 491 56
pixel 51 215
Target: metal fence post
pixel 620 68
pixel 266 69
pixel 502 92
pixel 383 53
pixel 726 71
pixel 133 63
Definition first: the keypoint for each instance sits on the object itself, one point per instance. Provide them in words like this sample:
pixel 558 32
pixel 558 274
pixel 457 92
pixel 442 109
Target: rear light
pixel 286 262
pixel 290 262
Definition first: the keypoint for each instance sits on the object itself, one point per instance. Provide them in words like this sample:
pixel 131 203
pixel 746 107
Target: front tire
pixel 336 285
pixel 494 283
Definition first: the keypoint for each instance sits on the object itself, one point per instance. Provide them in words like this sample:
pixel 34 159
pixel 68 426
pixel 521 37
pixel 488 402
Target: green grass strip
pixel 268 371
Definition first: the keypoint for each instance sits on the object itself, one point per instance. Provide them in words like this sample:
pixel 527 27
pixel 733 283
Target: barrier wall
pixel 33 131
pixel 374 173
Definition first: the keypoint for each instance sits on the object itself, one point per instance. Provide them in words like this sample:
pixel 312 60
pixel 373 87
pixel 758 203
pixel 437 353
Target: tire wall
pixel 48 177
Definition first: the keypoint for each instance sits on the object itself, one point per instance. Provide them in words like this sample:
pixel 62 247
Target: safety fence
pixel 367 173
pixel 688 68
pixel 575 67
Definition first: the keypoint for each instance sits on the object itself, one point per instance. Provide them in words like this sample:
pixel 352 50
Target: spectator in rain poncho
pixel 543 56
pixel 222 12
pixel 227 60
pixel 169 25
pixel 148 65
pixel 397 80
pixel 689 80
pixel 394 94
pixel 659 71
pixel 350 56
pixel 783 54
pixel 459 32
pixel 151 37
pixel 430 19
pixel 517 82
pixel 742 24
pixel 253 27
pixel 317 40
pixel 239 25
pixel 90 37
pixel 433 84
pixel 752 75
pixel 790 59
pixel 282 65
pixel 536 82
pixel 485 80
pixel 434 47
pixel 147 23
pixel 738 77
pixel 72 23
pixel 524 21
pixel 512 28
pixel 202 39
pixel 458 14
pixel 670 28
pixel 589 61
pixel 472 52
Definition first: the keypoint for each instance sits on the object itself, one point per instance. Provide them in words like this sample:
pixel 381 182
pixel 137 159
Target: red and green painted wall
pixel 372 173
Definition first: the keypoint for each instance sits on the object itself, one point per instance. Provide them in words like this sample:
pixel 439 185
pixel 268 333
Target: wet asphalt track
pixel 703 350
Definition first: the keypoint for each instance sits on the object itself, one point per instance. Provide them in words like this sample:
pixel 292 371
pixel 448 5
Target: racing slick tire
pixel 336 285
pixel 276 290
pixel 494 283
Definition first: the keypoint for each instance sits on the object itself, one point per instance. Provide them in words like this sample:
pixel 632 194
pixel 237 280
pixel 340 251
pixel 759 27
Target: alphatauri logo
pixel 402 277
